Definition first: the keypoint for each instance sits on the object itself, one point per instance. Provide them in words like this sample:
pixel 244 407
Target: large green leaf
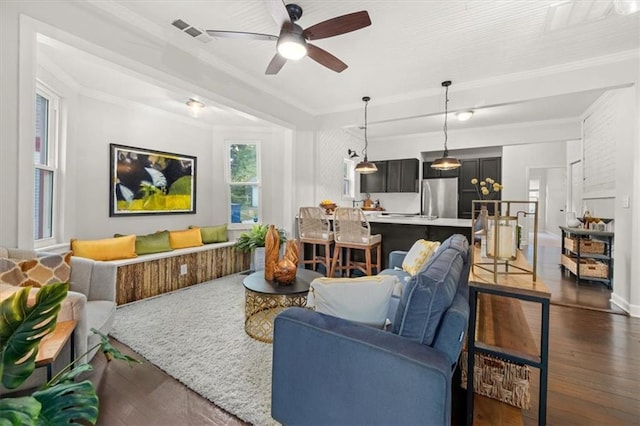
pixel 66 403
pixel 21 411
pixel 22 327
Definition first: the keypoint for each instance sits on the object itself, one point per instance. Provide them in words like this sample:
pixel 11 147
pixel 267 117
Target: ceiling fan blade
pixel 240 35
pixel 339 25
pixel 275 65
pixel 325 58
pixel 278 11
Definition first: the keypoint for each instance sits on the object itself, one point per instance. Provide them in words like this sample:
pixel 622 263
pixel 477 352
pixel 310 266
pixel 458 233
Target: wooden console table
pixel 51 345
pixel 502 342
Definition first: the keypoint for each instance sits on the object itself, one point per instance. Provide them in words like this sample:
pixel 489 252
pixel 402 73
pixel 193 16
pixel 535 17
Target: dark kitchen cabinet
pixel 428 172
pixel 375 182
pixel 402 175
pixel 480 168
pixel 392 176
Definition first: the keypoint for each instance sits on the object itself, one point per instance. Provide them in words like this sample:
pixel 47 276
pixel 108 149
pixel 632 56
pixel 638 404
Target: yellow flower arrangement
pixel 486 188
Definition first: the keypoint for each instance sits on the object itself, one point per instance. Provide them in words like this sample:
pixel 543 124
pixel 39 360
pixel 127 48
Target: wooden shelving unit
pixel 587 254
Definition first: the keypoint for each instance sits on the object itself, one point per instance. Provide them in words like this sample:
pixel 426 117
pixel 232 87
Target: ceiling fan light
pixel 292 45
pixel 366 167
pixel 464 115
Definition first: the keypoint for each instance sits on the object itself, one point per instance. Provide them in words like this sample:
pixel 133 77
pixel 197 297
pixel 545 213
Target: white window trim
pixel 53 161
pixel 227 147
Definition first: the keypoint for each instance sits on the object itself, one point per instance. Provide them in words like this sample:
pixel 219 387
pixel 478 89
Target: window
pixel 244 182
pixel 45 164
pixel 348 179
pixel 534 193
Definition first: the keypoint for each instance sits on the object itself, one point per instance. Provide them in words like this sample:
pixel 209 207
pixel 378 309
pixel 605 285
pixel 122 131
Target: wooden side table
pixel 520 287
pixel 51 345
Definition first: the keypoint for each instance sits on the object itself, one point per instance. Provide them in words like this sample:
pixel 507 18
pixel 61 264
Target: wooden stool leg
pixel 379 258
pixel 327 258
pixel 301 252
pixel 367 256
pixel 348 263
pixel 314 258
pixel 332 270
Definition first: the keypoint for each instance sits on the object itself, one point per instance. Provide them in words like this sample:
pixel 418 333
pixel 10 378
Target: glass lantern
pixel 502 230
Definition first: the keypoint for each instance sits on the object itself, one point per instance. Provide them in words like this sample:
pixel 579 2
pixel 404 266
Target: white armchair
pixel 91 300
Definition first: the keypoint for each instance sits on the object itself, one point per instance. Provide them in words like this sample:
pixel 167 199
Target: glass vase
pixel 502 237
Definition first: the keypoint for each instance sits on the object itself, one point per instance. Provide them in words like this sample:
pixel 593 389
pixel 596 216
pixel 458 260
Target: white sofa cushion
pixel 364 300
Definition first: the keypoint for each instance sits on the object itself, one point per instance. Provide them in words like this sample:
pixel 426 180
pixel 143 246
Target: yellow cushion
pixel 186 238
pixel 418 255
pixel 106 249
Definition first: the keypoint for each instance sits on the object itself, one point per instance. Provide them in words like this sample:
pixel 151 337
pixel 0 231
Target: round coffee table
pixel 266 299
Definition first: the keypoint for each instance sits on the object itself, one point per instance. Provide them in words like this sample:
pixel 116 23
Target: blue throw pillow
pixel 428 295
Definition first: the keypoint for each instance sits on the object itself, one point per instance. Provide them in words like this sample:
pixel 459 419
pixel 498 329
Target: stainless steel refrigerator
pixel 440 197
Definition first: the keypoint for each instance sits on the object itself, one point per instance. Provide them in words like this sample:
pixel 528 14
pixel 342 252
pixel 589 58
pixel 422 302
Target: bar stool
pixel 314 228
pixel 352 231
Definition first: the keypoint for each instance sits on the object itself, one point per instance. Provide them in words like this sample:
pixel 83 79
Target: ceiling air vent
pixel 194 32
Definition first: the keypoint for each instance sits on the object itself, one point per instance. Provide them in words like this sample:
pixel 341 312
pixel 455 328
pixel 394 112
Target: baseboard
pixel 633 310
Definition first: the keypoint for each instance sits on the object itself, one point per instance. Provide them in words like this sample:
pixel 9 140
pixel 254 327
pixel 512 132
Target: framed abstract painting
pixel 144 181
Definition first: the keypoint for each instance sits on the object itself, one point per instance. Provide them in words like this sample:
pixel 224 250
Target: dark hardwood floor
pixel 594 367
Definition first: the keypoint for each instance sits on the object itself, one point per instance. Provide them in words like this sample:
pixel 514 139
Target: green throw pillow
pixel 213 234
pixel 152 243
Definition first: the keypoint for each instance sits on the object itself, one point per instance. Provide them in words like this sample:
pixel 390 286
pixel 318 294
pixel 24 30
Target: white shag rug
pixel 197 336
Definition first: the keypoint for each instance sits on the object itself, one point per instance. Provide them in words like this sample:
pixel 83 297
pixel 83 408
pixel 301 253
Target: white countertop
pixel 417 220
pixel 375 217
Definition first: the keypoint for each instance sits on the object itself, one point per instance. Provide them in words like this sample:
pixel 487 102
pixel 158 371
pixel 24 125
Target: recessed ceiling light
pixel 195 106
pixel 464 115
pixel 626 7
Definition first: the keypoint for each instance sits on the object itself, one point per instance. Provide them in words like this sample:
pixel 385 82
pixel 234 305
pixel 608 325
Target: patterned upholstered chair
pixel 352 231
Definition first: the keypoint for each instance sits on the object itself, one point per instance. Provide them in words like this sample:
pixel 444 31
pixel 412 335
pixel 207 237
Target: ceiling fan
pixel 292 40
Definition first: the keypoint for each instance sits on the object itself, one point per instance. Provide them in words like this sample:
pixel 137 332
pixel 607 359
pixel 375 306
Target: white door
pixel 576 189
pixel 556 195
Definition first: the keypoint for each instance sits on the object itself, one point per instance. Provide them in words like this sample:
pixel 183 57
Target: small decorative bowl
pixel 329 208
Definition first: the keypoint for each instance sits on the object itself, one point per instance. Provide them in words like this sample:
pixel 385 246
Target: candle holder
pixel 494 223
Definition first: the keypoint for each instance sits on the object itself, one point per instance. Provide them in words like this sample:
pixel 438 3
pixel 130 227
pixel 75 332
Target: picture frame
pixel 145 181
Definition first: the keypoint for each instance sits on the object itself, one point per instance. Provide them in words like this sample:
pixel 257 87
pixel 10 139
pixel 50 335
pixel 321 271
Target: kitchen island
pixel 400 231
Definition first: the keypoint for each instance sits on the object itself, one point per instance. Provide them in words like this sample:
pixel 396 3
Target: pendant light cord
pixel 446 114
pixel 366 142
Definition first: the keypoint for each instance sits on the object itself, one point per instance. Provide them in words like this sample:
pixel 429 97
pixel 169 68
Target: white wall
pixel 518 159
pixel 99 123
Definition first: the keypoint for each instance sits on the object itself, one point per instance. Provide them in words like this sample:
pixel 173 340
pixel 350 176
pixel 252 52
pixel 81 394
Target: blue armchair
pixel 327 370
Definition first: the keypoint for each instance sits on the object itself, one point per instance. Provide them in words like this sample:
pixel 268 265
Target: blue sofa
pixel 331 371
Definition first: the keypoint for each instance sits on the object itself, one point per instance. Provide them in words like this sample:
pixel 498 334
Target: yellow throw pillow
pixel 186 238
pixel 418 255
pixel 106 249
pixel 48 269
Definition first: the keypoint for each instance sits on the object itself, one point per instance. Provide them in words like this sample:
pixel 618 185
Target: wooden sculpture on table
pixel 271 251
pixel 285 270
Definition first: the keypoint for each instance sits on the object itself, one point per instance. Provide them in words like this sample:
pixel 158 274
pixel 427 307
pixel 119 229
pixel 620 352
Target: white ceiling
pixel 408 50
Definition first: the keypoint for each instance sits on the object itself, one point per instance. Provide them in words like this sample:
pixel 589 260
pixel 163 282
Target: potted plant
pixel 253 242
pixel 61 400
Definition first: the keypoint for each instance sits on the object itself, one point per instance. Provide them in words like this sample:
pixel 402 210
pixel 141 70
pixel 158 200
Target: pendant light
pixel 446 162
pixel 366 167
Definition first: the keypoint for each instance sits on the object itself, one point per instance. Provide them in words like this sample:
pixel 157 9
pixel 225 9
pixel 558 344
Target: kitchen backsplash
pixel 397 202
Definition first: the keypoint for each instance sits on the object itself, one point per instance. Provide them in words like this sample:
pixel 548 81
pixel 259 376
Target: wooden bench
pixel 154 274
